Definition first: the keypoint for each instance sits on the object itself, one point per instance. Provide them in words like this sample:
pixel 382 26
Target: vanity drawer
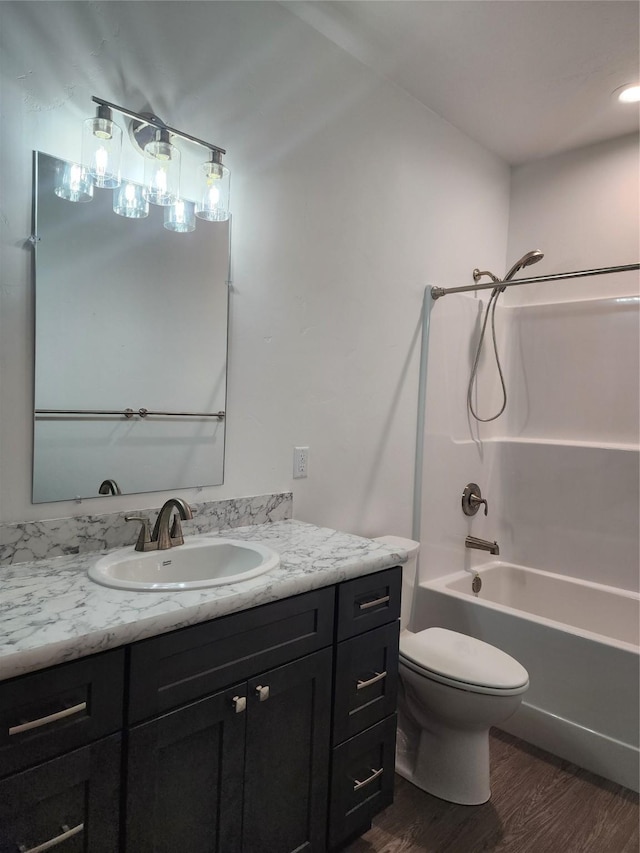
pixel 366 686
pixel 368 602
pixel 176 668
pixel 362 780
pixel 70 803
pixel 58 709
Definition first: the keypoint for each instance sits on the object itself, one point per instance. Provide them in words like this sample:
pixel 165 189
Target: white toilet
pixel 453 688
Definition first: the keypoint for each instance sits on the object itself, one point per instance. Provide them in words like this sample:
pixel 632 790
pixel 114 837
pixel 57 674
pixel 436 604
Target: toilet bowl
pixel 453 688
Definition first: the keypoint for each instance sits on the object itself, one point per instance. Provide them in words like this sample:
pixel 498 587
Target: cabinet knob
pixel 239 703
pixel 262 692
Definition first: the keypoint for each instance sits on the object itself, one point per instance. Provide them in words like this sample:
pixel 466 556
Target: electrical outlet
pixel 300 462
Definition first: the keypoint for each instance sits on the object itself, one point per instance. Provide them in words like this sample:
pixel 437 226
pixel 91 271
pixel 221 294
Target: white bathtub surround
pixel 579 643
pixel 560 469
pixel 51 612
pixel 83 534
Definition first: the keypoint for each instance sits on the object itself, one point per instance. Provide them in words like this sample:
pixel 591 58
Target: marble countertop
pixel 50 612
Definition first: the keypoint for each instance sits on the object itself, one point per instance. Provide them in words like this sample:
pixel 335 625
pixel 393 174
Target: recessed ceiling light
pixel 629 93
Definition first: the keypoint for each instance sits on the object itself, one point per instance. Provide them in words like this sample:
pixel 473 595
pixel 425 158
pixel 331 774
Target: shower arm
pixel 437 292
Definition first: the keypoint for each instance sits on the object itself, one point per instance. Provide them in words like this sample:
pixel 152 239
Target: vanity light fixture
pixel 102 148
pixel 161 170
pixel 73 183
pixel 129 201
pixel 214 201
pixel 101 152
pixel 180 216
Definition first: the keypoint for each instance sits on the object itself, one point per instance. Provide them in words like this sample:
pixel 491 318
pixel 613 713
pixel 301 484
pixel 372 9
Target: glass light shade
pixel 73 183
pixel 161 172
pixel 101 151
pixel 180 216
pixel 129 201
pixel 214 202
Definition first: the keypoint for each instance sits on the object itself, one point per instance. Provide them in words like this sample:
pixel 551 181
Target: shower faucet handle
pixel 472 500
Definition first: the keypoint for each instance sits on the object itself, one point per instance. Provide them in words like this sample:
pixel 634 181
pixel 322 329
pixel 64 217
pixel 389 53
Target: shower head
pixel 525 261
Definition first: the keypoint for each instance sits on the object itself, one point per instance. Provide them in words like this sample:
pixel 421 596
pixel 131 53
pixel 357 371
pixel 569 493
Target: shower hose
pixel 491 309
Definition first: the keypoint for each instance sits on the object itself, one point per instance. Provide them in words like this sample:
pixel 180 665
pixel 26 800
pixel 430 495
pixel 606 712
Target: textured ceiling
pixel 526 78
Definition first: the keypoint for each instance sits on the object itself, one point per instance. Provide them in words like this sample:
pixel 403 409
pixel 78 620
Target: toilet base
pixel 450 765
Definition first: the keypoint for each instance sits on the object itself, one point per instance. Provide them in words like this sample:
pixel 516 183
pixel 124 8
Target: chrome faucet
pixel 162 537
pixel 481 544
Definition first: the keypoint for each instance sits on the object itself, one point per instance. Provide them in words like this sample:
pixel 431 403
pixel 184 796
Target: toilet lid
pixel 462 658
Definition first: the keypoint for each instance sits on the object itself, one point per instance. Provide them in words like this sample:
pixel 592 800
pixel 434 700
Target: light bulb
pixel 161 171
pixel 102 148
pixel 214 201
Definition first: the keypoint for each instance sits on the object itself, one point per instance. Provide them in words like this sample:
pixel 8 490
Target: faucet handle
pixel 176 531
pixel 144 537
pixel 472 499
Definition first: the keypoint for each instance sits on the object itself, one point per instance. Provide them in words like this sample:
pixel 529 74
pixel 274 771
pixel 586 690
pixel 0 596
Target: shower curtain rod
pixel 437 292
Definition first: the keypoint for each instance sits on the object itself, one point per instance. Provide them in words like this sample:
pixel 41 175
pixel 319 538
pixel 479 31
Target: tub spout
pixel 481 544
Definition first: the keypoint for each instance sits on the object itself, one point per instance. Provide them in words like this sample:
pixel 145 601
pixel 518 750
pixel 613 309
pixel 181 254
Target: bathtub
pixel 579 642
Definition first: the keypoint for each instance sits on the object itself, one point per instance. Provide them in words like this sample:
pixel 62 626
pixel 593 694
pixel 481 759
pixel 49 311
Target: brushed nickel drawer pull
pixel 44 721
pixel 262 692
pixel 239 704
pixel 53 842
pixel 377 677
pixel 369 780
pixel 367 604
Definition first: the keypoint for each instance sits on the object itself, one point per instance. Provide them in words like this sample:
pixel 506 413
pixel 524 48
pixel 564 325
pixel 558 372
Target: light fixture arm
pixel 154 121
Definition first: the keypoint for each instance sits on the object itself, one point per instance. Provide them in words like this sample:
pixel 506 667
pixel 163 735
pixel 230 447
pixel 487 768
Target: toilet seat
pixel 462 662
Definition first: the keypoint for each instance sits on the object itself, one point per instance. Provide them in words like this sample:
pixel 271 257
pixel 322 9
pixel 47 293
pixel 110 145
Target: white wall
pixel 581 209
pixel 348 198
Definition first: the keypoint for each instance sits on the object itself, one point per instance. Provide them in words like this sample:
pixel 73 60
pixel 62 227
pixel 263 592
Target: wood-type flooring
pixel 539 804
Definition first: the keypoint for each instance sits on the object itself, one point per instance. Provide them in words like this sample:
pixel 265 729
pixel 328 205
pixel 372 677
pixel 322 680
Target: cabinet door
pixel 184 778
pixel 287 757
pixel 71 802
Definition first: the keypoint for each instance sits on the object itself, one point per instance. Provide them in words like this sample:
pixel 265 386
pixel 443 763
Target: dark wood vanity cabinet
pixel 271 730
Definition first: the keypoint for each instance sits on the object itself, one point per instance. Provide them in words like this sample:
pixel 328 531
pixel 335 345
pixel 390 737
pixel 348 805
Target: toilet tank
pixel 409 573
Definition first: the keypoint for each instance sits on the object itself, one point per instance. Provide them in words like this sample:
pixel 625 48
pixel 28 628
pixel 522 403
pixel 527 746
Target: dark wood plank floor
pixel 539 804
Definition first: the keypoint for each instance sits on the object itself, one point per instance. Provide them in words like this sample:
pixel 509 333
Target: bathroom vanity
pixel 267 729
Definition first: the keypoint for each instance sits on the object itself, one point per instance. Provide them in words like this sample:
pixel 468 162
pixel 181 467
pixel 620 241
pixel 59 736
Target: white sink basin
pixel 202 561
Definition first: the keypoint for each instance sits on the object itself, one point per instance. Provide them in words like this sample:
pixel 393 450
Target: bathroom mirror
pixel 128 316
